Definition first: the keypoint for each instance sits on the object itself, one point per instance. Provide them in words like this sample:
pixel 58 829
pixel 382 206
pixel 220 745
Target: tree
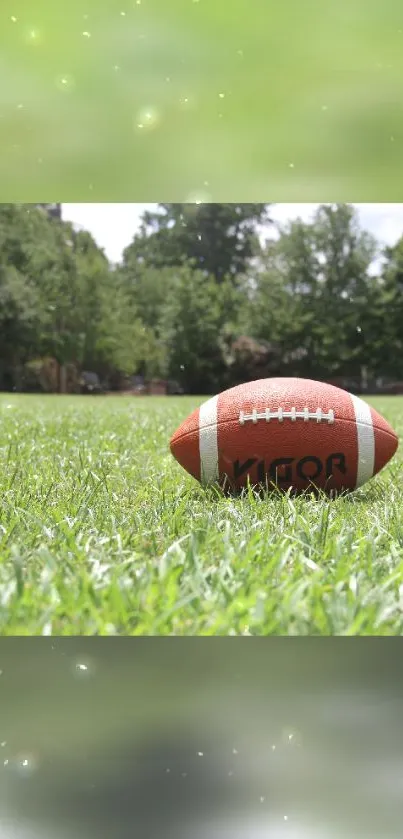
pixel 20 299
pixel 315 294
pixel 190 303
pixel 195 329
pixel 387 338
pixel 122 339
pixel 218 239
pixel 59 297
pixel 148 289
pixel 344 288
pixel 278 310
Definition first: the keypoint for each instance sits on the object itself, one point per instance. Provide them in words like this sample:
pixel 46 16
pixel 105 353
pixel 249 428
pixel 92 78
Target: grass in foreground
pixel 101 532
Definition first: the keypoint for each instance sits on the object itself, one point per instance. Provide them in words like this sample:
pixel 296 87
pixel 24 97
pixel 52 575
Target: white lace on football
pixel 280 414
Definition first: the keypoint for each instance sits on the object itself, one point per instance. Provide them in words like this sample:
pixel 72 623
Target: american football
pixel 286 432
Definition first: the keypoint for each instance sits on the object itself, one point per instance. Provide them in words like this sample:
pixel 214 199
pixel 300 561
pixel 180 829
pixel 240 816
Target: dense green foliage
pixel 219 239
pixel 200 300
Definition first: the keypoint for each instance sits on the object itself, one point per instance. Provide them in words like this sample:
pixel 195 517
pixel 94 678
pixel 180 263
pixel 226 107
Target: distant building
pixel 53 210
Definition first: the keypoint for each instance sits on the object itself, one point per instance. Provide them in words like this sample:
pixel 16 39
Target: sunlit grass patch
pixel 102 532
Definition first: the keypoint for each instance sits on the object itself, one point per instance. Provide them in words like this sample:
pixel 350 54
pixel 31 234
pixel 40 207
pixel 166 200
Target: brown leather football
pixel 285 432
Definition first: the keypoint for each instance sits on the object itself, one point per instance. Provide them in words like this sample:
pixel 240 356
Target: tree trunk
pixel 364 379
pixel 62 379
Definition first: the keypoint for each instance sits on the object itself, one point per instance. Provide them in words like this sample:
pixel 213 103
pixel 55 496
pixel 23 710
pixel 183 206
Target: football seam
pixel 341 419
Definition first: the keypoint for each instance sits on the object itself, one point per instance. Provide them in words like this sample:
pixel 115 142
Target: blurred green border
pixel 223 100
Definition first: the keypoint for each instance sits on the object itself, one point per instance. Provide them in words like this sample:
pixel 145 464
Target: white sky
pixel 114 225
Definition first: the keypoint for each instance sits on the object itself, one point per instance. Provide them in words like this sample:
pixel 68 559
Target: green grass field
pixel 101 532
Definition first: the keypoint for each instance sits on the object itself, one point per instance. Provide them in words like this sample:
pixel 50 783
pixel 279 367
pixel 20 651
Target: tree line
pixel 199 298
